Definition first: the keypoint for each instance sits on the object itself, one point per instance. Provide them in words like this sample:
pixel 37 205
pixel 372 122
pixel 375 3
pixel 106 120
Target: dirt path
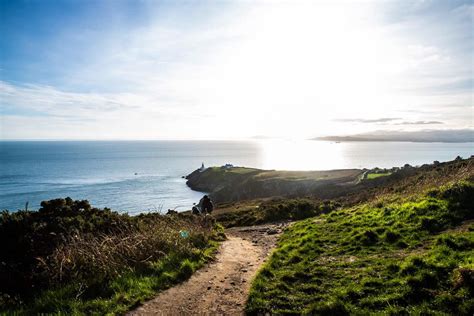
pixel 222 286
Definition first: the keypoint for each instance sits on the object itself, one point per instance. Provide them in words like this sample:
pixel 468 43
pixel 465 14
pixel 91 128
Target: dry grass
pixel 81 260
pixel 105 256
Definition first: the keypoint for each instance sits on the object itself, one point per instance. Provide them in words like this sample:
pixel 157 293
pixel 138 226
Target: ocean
pixel 143 176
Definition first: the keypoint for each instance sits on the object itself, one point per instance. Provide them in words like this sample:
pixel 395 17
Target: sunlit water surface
pixel 136 176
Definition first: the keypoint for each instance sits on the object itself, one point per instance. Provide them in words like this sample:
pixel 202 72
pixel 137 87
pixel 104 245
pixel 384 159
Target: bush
pixel 464 277
pixel 78 251
pixel 186 269
pixel 455 243
pixel 276 210
pixel 31 238
pixel 369 237
pixel 430 224
pixel 392 237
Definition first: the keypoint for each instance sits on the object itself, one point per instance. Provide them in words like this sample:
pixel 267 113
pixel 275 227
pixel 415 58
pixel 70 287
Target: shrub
pixel 464 277
pixel 391 237
pixel 186 269
pixel 430 224
pixel 369 237
pixel 455 243
pixel 77 251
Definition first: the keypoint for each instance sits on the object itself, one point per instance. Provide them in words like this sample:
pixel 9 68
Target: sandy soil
pixel 222 286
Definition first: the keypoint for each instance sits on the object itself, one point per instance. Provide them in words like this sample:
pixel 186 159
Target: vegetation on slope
pixel 71 258
pixel 401 182
pixel 407 256
pixel 371 176
pixel 237 183
pixel 273 210
pixel 408 180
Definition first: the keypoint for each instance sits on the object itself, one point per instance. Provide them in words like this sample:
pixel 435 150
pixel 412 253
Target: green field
pixel 235 184
pixel 412 256
pixel 237 170
pixel 371 176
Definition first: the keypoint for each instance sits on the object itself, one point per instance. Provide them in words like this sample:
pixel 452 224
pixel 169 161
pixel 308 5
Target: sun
pixel 295 67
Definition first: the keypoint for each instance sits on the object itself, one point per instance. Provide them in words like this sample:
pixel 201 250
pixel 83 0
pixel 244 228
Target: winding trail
pixel 222 286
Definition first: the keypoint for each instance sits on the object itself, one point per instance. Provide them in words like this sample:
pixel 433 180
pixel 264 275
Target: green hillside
pixel 399 256
pixel 238 183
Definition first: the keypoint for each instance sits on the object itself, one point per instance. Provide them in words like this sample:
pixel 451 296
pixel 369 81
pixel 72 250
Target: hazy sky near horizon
pixel 233 69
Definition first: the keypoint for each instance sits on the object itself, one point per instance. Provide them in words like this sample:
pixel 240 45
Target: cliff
pixel 237 183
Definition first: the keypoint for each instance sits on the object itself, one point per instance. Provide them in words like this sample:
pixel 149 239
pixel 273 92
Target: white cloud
pixel 272 69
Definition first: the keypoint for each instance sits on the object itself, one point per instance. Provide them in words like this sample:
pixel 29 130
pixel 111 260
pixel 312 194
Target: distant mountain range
pixel 444 136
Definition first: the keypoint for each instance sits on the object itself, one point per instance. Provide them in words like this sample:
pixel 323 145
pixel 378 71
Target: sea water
pixel 142 176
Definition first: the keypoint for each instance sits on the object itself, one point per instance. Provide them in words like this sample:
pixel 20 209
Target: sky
pixel 233 69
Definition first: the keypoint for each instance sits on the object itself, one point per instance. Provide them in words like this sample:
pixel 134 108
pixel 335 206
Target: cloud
pixel 419 123
pixel 46 112
pixel 377 120
pixel 206 70
pixel 31 100
pixel 41 100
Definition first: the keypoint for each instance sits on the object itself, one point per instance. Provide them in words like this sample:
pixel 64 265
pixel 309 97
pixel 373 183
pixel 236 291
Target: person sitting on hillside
pixel 206 206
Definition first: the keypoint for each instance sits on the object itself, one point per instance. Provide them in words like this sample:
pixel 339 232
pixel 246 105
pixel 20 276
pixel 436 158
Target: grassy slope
pixel 400 256
pixel 272 210
pixel 70 258
pixel 371 176
pixel 403 183
pixel 122 293
pixel 409 180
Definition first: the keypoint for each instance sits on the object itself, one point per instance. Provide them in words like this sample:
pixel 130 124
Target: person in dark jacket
pixel 206 205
